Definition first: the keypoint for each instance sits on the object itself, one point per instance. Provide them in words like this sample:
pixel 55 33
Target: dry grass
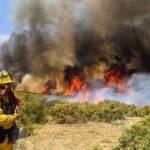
pixel 75 136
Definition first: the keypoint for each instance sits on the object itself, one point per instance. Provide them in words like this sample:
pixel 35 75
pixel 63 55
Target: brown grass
pixel 75 136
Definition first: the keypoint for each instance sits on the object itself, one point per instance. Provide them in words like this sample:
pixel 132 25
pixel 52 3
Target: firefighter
pixel 8 115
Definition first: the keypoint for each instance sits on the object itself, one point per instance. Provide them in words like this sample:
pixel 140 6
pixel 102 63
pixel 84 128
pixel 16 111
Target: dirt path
pixel 76 136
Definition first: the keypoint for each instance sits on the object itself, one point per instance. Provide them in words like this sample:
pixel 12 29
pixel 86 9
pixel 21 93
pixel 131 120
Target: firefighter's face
pixel 4 89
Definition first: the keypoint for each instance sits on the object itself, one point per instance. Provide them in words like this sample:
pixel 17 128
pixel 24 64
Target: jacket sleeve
pixel 6 121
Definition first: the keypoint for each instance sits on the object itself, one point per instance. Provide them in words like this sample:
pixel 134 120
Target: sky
pixel 6 26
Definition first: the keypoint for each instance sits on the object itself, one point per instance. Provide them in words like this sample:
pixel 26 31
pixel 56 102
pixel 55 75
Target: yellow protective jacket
pixel 6 121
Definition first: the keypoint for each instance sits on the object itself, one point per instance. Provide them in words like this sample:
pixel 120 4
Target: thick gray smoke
pixel 93 35
pixel 39 45
pixel 116 33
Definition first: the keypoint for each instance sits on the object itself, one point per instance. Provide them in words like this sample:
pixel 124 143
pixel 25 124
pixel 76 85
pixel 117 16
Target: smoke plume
pixel 51 38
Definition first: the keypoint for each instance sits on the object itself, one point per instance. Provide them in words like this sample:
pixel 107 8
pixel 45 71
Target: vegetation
pixel 107 111
pixel 137 137
pixel 36 111
pixel 144 111
pixel 87 136
pixel 32 112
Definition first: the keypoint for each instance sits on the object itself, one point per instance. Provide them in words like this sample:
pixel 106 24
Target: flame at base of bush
pixel 113 84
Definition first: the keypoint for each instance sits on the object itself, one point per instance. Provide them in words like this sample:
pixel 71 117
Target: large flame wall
pixel 56 41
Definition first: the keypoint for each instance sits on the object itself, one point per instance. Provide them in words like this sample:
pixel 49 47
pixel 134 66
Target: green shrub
pixel 82 112
pixel 107 112
pixel 53 102
pixel 136 138
pixel 118 122
pixel 35 110
pixel 144 111
pixel 68 113
pixel 32 110
pixel 127 110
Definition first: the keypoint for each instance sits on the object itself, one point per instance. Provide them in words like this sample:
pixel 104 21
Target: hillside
pixel 87 136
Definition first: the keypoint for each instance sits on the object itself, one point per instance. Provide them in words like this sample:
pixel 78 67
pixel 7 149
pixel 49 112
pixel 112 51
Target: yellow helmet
pixel 4 77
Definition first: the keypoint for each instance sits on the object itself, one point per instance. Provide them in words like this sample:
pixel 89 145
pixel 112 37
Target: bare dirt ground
pixel 76 136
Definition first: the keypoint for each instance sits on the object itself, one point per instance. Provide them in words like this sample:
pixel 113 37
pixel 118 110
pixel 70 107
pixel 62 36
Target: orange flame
pixel 44 90
pixel 81 91
pixel 114 76
pixel 76 86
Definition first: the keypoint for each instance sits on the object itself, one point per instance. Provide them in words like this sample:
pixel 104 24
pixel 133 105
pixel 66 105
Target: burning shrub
pixel 138 137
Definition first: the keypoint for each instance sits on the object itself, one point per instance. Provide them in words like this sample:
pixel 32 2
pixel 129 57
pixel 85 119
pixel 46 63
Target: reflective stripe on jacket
pixel 6 121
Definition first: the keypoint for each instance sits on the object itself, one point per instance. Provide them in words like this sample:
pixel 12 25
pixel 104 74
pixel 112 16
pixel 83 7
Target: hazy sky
pixel 5 17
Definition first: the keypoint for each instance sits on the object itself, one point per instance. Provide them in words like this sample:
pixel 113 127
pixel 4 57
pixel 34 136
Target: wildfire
pixel 114 77
pixel 44 90
pixel 48 86
pixel 85 93
pixel 76 86
pixel 79 90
